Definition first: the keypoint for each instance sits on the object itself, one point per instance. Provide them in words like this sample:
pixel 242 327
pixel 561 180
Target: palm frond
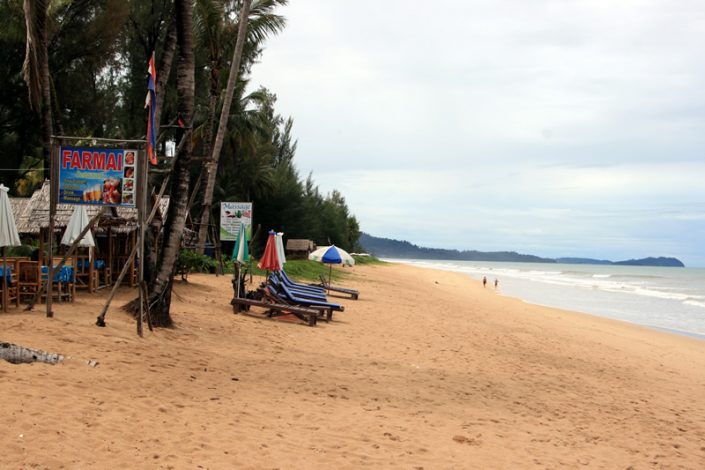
pixel 264 26
pixel 263 23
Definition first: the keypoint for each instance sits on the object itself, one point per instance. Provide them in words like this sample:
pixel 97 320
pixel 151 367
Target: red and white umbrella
pixel 270 260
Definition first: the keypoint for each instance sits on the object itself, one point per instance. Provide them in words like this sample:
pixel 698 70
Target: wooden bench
pixel 354 294
pixel 307 315
pixel 324 313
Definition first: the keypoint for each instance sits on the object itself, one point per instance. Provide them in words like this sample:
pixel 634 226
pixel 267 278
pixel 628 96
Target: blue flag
pixel 151 104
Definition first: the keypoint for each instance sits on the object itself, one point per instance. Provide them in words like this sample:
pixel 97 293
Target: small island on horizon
pixel 390 248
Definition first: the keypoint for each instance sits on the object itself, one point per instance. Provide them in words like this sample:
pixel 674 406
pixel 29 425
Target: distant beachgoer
pixel 496 283
pixel 484 281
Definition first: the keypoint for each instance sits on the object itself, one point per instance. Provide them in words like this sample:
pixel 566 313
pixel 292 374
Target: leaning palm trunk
pixel 211 167
pixel 160 288
pixel 36 70
pixel 164 70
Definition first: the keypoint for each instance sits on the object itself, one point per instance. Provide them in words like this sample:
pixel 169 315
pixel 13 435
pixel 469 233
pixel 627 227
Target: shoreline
pixel 587 309
pixel 672 331
pixel 427 369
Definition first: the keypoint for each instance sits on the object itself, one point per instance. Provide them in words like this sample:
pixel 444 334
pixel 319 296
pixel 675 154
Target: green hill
pixel 389 248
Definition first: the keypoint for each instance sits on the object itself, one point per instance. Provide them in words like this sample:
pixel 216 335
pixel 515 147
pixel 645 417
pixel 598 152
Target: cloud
pixel 576 125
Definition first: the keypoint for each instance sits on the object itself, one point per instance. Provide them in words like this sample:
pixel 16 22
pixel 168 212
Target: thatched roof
pixel 35 215
pixel 300 245
pixel 20 209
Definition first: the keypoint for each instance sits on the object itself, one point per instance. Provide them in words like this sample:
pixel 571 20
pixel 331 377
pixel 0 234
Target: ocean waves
pixel 668 298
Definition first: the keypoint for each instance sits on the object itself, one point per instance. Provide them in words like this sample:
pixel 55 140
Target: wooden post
pixel 220 269
pixel 141 208
pixel 5 296
pixel 41 247
pixel 110 254
pixel 133 242
pixel 91 256
pixel 53 185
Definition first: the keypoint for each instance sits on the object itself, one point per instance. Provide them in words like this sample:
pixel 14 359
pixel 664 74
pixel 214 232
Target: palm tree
pixel 36 70
pixel 212 165
pixel 262 24
pixel 164 69
pixel 160 287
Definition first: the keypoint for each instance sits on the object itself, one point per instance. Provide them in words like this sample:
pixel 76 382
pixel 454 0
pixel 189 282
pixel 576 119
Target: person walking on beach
pixel 484 281
pixel 496 283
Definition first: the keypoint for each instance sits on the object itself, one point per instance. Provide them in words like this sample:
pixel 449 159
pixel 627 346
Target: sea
pixel 670 299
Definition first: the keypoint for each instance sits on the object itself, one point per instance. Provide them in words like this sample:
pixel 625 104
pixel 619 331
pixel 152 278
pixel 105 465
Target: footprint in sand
pixel 466 440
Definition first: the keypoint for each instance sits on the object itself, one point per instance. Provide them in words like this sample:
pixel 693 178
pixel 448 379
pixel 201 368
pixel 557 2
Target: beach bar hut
pixel 115 233
pixel 299 248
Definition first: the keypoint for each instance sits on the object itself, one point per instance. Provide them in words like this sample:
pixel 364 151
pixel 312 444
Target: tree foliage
pixel 97 52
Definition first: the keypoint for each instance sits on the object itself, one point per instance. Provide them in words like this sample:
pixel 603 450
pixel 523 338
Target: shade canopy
pixel 8 229
pixel 269 260
pixel 332 255
pixel 280 249
pixel 241 252
pixel 77 222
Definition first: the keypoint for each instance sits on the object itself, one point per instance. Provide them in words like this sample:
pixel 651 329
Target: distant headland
pixel 389 248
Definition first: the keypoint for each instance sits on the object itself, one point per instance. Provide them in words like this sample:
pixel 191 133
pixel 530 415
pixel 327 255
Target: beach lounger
pixel 307 289
pixel 354 294
pixel 272 308
pixel 278 283
pixel 285 293
pixel 325 312
pixel 284 277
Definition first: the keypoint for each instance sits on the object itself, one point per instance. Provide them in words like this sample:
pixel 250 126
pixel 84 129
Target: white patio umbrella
pixel 8 237
pixel 280 249
pixel 77 222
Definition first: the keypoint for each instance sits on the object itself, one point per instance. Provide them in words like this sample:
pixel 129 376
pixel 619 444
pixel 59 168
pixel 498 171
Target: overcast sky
pixel 547 127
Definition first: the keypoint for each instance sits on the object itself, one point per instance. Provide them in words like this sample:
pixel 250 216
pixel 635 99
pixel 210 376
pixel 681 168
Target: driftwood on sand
pixel 20 355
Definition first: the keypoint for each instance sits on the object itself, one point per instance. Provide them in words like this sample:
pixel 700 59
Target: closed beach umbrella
pixel 280 249
pixel 331 255
pixel 77 222
pixel 241 252
pixel 8 237
pixel 269 260
pixel 8 229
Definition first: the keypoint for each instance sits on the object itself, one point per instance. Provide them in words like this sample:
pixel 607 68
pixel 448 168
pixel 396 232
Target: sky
pixel 547 127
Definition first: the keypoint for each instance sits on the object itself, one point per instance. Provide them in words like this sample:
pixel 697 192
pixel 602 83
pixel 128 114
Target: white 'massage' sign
pixel 232 214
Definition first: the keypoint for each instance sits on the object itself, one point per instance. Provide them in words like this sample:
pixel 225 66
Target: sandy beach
pixel 427 369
